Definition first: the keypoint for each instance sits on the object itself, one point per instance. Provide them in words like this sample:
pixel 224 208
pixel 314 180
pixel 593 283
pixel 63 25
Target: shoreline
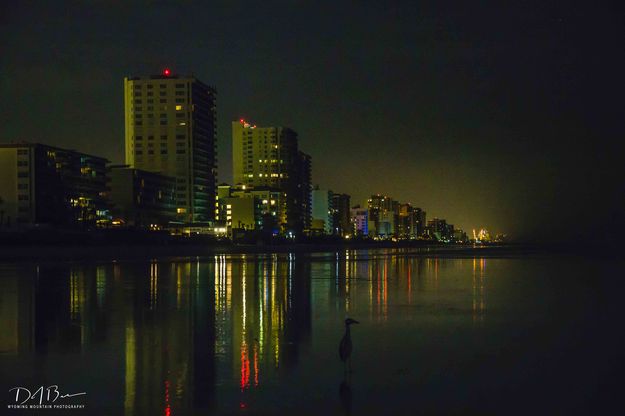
pixel 142 251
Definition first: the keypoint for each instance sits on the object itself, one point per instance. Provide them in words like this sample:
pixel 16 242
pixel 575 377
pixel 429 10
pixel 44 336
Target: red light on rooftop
pixel 166 72
pixel 242 121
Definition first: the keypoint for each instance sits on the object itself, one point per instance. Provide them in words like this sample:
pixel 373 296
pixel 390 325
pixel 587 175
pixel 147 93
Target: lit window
pixel 178 107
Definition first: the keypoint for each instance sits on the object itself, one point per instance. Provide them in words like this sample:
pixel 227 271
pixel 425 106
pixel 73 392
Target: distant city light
pixel 166 72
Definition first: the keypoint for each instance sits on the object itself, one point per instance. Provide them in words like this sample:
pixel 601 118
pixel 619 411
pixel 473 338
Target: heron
pixel 345 347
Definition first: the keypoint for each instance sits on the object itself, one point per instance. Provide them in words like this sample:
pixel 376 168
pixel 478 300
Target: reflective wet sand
pixel 259 334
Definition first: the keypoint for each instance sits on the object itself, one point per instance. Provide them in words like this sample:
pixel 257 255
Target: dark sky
pixel 488 114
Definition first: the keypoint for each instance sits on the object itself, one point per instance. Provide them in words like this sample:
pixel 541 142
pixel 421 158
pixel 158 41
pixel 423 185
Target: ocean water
pixel 259 334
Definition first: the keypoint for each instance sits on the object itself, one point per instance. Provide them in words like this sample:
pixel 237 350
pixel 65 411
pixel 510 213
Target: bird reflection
pixel 345 394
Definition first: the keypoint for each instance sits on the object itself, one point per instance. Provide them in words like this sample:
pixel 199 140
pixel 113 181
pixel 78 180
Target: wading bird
pixel 345 347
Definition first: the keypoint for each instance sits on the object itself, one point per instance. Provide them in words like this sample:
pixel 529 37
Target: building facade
pixel 440 230
pixel 383 216
pixel 360 221
pixel 303 197
pixel 170 124
pixel 251 208
pixel 321 215
pixel 140 198
pixel 41 184
pixel 411 221
pixel 341 215
pixel 268 157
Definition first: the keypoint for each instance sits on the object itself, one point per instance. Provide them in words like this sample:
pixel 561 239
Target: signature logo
pixel 41 397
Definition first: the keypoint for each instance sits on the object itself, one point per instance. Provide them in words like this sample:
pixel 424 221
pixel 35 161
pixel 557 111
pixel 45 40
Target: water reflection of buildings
pixel 263 307
pixel 190 321
pixel 173 325
pixel 51 309
pixel 431 284
pixel 169 333
pixel 479 280
pixel 16 312
pixel 172 329
pixel 362 280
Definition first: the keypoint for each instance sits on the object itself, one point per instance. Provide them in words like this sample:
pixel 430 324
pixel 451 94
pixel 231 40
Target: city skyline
pixel 506 131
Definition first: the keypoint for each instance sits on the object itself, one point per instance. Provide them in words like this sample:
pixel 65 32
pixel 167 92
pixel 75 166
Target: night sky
pixel 491 115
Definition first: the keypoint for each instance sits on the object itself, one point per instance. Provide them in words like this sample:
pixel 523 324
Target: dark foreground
pixel 259 333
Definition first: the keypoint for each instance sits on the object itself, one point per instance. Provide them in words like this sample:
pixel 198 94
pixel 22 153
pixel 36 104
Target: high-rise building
pixel 303 186
pixel 439 229
pixel 421 215
pixel 411 221
pixel 171 128
pixel 41 184
pixel 383 215
pixel 263 156
pixel 341 215
pixel 268 157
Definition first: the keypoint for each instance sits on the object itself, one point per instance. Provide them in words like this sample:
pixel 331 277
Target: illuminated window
pixel 178 107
